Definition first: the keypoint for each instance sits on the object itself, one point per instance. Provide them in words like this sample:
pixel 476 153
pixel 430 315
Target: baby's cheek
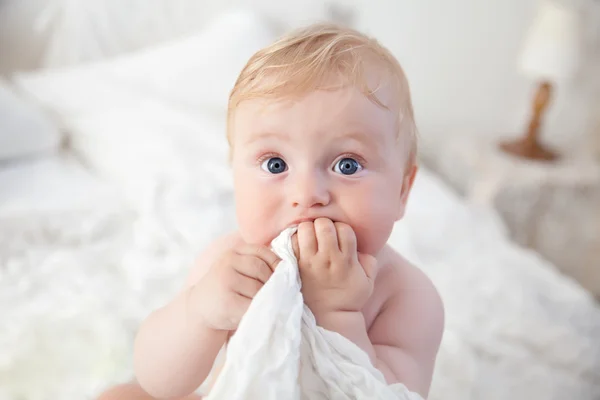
pixel 255 214
pixel 375 224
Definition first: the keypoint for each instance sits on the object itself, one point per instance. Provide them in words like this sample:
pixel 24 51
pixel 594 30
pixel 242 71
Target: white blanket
pixel 279 352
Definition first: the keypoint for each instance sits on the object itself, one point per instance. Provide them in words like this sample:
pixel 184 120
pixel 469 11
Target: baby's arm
pixel 407 333
pixel 174 353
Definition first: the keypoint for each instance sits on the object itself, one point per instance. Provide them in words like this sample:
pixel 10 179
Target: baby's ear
pixel 407 184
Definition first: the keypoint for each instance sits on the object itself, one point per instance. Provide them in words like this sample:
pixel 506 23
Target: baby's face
pixel 331 154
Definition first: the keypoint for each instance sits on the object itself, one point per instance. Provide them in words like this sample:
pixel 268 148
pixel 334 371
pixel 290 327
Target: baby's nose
pixel 310 190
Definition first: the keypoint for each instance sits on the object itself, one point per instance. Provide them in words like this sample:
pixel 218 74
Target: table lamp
pixel 550 56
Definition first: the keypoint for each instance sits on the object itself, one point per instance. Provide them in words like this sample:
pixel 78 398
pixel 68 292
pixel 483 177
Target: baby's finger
pixel 295 246
pixel 253 267
pixel 327 240
pixel 246 286
pixel 262 252
pixel 307 241
pixel 346 238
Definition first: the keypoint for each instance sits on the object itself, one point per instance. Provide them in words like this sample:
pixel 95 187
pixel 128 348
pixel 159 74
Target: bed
pixel 98 230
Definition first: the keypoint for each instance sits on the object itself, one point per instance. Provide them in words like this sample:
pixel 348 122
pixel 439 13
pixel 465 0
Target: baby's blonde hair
pixel 325 56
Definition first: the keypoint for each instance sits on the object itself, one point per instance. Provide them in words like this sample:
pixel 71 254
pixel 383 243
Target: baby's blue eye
pixel 274 165
pixel 347 166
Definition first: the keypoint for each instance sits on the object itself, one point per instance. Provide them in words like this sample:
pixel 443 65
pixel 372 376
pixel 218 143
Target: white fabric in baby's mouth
pixel 278 351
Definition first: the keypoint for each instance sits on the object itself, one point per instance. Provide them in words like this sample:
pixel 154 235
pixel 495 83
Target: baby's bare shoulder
pixel 398 279
pixel 412 312
pixel 408 329
pixel 210 254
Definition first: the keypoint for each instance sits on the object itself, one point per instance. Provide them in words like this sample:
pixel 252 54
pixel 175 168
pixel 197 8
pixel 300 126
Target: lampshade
pixel 552 46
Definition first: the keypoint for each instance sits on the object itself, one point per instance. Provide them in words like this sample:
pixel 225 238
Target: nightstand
pixel 553 208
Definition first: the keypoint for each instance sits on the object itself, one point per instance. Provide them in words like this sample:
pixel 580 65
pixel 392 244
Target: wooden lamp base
pixel 529 146
pixel 531 150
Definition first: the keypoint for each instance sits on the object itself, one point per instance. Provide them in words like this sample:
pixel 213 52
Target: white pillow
pixel 24 129
pixel 154 122
pixel 87 31
pixel 168 164
pixel 70 32
pixel 135 118
pixel 59 33
pixel 195 72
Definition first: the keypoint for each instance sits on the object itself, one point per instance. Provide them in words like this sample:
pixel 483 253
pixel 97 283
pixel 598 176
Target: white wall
pixel 460 57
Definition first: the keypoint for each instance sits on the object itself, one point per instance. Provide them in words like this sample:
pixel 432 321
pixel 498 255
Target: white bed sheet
pixel 515 327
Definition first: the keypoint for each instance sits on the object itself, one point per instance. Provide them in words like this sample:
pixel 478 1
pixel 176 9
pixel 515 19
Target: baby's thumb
pixel 295 246
pixel 369 264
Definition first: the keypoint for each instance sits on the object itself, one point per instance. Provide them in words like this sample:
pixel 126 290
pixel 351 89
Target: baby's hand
pixel 335 277
pixel 225 292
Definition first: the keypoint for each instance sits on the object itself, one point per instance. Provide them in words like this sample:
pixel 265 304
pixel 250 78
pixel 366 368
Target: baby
pixel 322 136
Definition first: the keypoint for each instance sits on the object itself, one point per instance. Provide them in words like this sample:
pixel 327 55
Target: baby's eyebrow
pixel 255 137
pixel 368 141
pixel 358 136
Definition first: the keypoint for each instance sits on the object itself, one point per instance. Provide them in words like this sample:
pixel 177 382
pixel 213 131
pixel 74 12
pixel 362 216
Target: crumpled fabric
pixel 278 351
